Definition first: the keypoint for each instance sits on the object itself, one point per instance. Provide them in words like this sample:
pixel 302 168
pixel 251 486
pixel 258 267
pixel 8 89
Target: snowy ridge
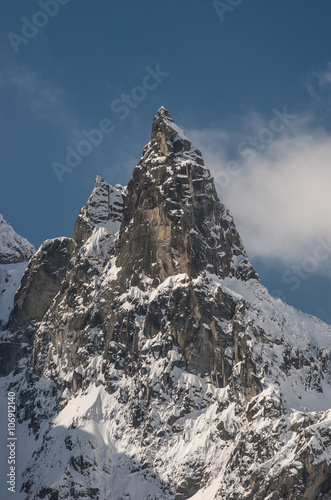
pixel 10 279
pixel 13 248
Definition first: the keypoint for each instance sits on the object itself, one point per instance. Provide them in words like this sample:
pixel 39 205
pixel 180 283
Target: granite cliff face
pixel 150 363
pixel 173 221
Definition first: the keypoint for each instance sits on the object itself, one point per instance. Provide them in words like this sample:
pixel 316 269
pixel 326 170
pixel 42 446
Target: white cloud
pixel 280 196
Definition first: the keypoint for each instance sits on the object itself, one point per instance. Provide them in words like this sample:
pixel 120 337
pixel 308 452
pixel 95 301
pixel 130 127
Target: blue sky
pixel 227 71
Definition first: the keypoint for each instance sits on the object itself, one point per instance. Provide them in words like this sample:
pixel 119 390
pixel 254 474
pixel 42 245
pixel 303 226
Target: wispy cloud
pixel 318 84
pixel 43 98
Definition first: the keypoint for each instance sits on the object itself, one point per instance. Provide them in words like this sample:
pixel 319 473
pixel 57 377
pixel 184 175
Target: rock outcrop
pixel 40 283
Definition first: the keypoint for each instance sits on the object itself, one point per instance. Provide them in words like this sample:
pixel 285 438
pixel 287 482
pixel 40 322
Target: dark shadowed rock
pixel 40 283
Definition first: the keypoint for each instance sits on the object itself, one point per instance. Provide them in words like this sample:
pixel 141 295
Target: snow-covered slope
pixel 10 279
pixel 15 252
pixel 13 248
pixel 157 366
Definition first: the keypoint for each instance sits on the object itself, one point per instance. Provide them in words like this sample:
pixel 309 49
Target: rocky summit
pixel 149 363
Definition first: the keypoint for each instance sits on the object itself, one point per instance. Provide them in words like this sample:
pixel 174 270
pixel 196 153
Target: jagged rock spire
pixel 173 220
pixel 167 137
pixel 168 141
pixel 104 208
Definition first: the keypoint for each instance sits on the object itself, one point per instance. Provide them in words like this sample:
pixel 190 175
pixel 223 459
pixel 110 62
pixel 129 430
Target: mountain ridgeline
pixel 150 363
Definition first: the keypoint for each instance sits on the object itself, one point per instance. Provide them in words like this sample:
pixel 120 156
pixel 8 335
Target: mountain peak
pixel 13 248
pixel 169 139
pixel 173 220
pixel 99 181
pixel 163 111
